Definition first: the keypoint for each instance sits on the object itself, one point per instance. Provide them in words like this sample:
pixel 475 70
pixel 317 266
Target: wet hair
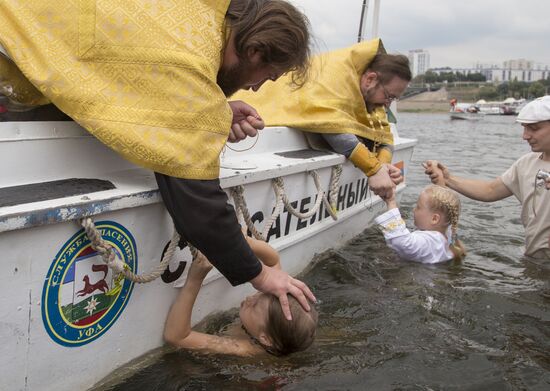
pixel 387 66
pixel 276 29
pixel 446 201
pixel 289 336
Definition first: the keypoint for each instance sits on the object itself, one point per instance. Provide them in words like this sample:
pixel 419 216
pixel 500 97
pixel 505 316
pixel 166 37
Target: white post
pixel 375 17
pixel 363 21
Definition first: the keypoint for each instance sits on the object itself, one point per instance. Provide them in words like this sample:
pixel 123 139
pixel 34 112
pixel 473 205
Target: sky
pixel 457 33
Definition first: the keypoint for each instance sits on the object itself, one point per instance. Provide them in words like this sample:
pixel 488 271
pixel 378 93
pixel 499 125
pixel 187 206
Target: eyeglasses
pixel 389 97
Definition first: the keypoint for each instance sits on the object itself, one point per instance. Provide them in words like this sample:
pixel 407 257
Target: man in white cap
pixel 527 179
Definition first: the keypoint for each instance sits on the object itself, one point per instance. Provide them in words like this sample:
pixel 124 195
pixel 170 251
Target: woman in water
pixel 264 326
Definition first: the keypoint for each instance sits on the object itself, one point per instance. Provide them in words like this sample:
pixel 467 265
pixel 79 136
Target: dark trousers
pixel 204 218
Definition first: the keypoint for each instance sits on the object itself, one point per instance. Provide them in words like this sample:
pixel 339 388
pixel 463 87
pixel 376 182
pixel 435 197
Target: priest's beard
pixel 233 78
pixel 368 95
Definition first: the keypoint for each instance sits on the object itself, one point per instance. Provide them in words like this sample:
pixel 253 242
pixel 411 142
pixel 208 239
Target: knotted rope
pixel 237 193
pixel 281 199
pixel 121 268
pixel 279 187
pixel 331 203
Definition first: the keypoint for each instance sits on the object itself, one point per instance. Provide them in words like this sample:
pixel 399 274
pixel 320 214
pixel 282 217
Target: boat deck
pixel 87 189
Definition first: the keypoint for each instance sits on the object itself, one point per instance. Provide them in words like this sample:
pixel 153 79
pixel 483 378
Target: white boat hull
pixel 53 334
pixel 466 116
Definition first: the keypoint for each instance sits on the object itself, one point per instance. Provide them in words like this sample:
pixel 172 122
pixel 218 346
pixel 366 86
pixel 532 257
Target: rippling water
pixel 386 324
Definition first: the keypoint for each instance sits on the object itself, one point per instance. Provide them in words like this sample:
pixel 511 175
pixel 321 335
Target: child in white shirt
pixel 436 219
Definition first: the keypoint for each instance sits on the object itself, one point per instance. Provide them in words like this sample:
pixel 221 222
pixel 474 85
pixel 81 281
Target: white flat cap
pixel 535 111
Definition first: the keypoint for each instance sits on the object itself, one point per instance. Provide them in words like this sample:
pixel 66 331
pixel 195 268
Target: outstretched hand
pixel 200 267
pixel 246 121
pixel 438 173
pixel 279 283
pixel 395 174
pixel 381 183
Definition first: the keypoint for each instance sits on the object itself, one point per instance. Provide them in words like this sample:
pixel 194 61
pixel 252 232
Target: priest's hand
pixel 395 174
pixel 280 284
pixel 246 121
pixel 381 183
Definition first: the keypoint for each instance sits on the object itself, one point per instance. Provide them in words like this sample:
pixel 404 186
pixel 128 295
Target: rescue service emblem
pixel 81 299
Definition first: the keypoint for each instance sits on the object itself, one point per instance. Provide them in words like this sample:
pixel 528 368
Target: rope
pixel 241 207
pixel 121 268
pixel 277 210
pixel 280 189
pixel 237 193
pixel 281 200
pixel 331 203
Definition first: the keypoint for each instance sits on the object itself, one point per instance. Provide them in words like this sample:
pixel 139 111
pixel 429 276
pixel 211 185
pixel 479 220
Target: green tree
pixel 430 77
pixel 518 89
pixel 418 80
pixel 476 77
pixel 447 76
pixel 503 91
pixel 545 82
pixel 488 93
pixel 536 89
pixel 459 76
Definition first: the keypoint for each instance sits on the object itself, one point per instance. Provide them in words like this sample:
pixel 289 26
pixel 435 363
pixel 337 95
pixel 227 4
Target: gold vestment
pixel 139 75
pixel 330 102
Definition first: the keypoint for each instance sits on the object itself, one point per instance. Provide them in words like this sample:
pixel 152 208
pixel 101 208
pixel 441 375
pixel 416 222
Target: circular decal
pixel 81 298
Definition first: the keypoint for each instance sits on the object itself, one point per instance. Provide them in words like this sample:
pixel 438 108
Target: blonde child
pixel 436 219
pixel 262 326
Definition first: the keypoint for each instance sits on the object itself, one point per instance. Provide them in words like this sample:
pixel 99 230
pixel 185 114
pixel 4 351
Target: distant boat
pixel 465 111
pixel 466 116
pixel 512 106
pixel 489 108
pixel 509 106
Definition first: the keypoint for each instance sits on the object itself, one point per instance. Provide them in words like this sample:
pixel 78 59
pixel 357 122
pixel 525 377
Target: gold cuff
pixel 365 160
pixel 384 155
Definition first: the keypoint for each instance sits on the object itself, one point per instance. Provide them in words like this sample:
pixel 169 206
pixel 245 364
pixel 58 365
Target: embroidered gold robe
pixel 139 75
pixel 330 102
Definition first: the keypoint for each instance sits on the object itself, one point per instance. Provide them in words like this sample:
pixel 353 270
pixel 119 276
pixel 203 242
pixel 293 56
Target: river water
pixel 385 324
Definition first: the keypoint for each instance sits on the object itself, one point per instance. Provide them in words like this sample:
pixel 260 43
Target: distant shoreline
pixel 426 102
pixel 409 106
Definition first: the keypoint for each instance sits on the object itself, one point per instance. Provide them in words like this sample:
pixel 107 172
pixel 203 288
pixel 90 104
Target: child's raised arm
pixel 178 322
pixel 267 254
pixel 177 330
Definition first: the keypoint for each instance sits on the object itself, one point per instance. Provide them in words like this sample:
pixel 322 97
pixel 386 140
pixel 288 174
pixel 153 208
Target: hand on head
pixel 437 172
pixel 279 283
pixel 246 121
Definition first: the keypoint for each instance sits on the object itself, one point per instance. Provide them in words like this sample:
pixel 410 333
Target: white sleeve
pixel 391 224
pixel 419 246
